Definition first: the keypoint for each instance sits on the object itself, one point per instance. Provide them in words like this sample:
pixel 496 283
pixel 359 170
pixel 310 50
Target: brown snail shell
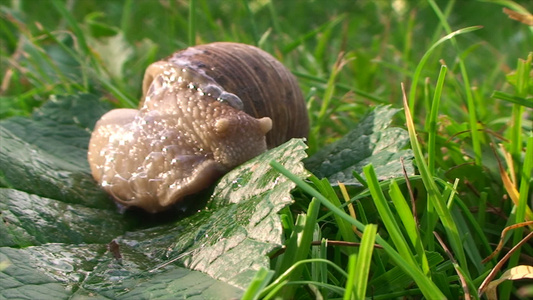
pixel 205 110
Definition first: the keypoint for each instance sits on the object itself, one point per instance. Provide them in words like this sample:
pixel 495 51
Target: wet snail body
pixel 205 110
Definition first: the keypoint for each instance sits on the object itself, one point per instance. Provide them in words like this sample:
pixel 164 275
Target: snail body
pixel 205 110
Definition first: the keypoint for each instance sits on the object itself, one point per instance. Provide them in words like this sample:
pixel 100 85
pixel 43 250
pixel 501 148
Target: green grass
pixel 466 68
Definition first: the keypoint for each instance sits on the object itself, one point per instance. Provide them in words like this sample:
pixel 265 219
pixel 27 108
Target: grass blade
pixel 351 286
pixel 434 195
pixel 364 258
pixel 84 47
pixel 299 244
pixel 428 288
pixel 387 217
pixel 281 280
pixel 408 220
pixel 425 57
pixel 522 209
pixel 432 122
pixel 260 281
pixel 526 102
pixel 473 120
pixel 345 228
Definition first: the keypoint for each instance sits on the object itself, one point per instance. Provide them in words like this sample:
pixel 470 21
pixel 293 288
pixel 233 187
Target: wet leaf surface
pixel 371 142
pixel 57 224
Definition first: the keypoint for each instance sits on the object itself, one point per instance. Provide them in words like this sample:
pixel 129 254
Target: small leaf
pixel 371 142
pixel 515 273
pixel 113 51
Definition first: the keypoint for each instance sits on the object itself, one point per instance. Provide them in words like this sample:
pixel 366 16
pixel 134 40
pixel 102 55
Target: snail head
pixel 187 133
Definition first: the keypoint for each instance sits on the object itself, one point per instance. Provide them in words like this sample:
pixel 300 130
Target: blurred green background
pixel 383 40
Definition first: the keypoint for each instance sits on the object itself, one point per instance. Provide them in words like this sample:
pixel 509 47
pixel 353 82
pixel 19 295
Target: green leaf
pixel 46 155
pixel 33 220
pixel 61 237
pixel 371 142
pixel 241 225
pixel 56 271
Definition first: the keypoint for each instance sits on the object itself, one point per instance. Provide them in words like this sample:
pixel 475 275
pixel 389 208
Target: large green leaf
pixel 46 155
pixel 371 142
pixel 60 236
pixel 33 220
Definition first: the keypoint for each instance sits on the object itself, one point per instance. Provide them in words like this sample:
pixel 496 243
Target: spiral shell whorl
pixel 265 86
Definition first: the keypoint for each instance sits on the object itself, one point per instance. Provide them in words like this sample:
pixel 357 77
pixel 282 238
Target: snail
pixel 204 111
